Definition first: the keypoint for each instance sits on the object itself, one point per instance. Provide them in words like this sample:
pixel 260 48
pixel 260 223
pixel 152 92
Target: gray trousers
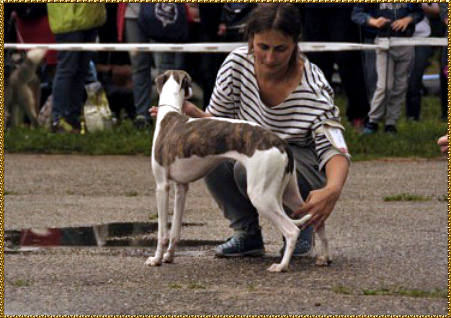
pixel 141 66
pixel 393 69
pixel 227 184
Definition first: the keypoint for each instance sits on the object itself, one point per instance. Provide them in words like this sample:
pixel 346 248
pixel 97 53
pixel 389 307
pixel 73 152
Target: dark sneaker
pixel 241 244
pixel 391 129
pixel 304 244
pixel 370 128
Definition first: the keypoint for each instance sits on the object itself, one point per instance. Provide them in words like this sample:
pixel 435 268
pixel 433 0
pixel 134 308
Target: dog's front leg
pixel 179 207
pixel 162 194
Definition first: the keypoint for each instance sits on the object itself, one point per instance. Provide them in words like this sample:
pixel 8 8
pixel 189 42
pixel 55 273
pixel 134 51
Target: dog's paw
pixel 323 261
pixel 153 261
pixel 276 268
pixel 168 257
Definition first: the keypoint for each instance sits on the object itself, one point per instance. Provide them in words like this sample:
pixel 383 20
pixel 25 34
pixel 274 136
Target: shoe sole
pixel 259 252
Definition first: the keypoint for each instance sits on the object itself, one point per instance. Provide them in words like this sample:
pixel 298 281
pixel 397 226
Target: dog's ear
pixel 186 85
pixel 160 80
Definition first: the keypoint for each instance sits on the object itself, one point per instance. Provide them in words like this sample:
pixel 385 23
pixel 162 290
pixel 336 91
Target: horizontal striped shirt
pixel 236 95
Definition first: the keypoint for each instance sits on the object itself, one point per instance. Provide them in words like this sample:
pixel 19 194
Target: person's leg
pixel 377 108
pixel 228 189
pixel 78 93
pixel 403 57
pixel 315 29
pixel 413 96
pixel 141 69
pixel 165 61
pixel 64 80
pixel 350 65
pixel 369 69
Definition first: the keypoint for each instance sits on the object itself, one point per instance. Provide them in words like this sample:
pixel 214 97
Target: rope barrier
pixel 381 43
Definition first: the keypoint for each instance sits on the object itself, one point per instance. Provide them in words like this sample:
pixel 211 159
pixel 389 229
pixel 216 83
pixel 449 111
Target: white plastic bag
pixel 96 111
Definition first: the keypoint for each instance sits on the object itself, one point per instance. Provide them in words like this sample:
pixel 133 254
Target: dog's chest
pixel 180 138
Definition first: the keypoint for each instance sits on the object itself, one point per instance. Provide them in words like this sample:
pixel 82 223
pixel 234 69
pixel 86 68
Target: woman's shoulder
pixel 240 54
pixel 239 60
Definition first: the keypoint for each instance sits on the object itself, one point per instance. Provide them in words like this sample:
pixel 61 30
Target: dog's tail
pixel 302 220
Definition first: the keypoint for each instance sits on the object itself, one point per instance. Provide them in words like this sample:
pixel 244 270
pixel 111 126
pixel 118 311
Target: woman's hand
pixel 153 111
pixel 320 204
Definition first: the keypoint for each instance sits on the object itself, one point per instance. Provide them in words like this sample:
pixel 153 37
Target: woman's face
pixel 272 51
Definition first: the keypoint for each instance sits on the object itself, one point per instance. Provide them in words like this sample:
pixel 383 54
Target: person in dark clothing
pixel 211 62
pixel 332 23
pixel 421 62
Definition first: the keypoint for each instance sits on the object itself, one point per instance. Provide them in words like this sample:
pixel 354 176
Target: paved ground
pixel 384 253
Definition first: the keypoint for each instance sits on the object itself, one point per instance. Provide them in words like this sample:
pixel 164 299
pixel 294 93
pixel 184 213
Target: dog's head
pixel 181 77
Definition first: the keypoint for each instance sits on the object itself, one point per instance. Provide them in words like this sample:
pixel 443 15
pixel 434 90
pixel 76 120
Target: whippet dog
pixel 186 149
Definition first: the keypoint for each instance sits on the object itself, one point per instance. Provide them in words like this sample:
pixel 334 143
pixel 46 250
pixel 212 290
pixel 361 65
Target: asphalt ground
pixel 389 257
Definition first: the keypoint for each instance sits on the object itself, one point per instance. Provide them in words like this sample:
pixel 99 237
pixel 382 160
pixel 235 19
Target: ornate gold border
pixel 2 130
pixel 2 161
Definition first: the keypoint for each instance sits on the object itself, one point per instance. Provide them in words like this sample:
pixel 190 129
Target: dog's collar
pixel 171 106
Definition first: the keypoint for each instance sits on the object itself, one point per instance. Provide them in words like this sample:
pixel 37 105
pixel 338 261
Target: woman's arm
pixel 188 108
pixel 320 203
pixel 193 111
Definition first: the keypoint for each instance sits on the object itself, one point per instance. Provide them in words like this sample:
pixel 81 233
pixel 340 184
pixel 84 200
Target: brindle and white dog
pixel 186 149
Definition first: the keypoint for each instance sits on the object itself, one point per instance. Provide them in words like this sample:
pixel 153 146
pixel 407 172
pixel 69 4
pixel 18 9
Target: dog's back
pixel 185 138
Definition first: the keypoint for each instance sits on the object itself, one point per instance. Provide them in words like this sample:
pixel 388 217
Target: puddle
pixel 114 234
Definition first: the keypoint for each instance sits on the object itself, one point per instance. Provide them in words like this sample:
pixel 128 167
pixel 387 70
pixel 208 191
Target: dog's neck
pixel 171 100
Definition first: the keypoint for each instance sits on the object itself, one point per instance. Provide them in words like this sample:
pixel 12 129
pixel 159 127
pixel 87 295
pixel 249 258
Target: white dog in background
pixel 22 90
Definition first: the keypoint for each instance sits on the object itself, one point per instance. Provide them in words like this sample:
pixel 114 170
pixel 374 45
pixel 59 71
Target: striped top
pixel 236 95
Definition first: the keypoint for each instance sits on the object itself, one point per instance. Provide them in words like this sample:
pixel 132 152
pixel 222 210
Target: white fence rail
pixel 382 43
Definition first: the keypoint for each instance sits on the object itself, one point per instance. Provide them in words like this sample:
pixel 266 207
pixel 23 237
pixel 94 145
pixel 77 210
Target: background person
pixel 72 23
pixel 393 65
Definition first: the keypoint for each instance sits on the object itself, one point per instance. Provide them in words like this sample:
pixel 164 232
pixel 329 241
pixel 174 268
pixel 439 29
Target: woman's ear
pixel 250 44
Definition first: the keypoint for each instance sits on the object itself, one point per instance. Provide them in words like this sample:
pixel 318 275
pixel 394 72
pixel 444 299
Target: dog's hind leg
pixel 179 207
pixel 291 195
pixel 268 203
pixel 323 258
pixel 162 193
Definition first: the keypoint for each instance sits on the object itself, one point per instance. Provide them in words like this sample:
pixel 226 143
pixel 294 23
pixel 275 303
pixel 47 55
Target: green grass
pixel 385 291
pixel 21 283
pixel 414 140
pixel 123 139
pixel 406 197
pixel 435 293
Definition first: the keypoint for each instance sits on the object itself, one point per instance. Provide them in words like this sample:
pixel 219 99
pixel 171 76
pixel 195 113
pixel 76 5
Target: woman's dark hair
pixel 284 18
pixel 280 17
